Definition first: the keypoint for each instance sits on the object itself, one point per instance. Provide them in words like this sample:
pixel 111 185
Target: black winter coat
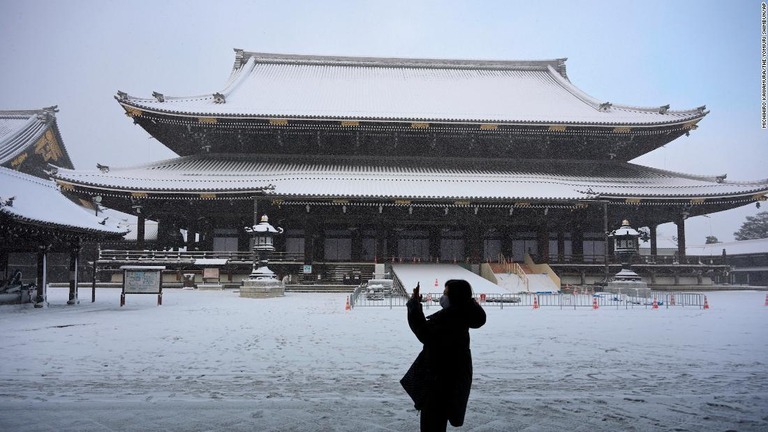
pixel 445 335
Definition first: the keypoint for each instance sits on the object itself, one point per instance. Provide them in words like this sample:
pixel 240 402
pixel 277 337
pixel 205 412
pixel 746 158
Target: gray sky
pixel 77 54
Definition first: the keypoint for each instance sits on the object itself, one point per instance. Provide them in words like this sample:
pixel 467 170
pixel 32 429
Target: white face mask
pixel 444 301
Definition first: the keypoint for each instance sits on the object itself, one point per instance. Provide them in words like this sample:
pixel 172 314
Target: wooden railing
pixel 508 266
pixel 189 256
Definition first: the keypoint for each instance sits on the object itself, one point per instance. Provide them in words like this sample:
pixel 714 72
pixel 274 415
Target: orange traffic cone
pixel 706 305
pixel 672 300
pixel 594 303
pixel 436 284
pixel 655 303
pixel 535 302
pixel 348 306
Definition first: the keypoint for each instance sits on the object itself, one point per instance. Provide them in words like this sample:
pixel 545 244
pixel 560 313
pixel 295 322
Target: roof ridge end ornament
pixel 701 109
pixel 159 96
pixel 605 106
pixel 219 98
pixel 121 95
pixel 52 171
pixel 721 178
pixel 663 109
pixel 561 67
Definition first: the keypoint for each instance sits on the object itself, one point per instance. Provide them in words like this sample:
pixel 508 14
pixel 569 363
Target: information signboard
pixel 142 280
pixel 211 273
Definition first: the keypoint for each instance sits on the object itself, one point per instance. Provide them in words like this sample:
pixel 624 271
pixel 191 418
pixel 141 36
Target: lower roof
pixel 339 177
pixel 741 247
pixel 30 200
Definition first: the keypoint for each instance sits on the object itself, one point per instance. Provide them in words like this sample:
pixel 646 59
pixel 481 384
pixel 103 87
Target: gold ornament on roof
pixel 47 147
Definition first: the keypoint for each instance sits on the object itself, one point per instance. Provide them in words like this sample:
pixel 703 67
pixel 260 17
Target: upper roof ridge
pixel 242 56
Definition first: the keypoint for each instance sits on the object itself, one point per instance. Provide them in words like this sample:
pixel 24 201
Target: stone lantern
pixel 262 281
pixel 625 244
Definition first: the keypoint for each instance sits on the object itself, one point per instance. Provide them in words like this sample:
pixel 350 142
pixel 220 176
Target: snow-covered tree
pixel 755 227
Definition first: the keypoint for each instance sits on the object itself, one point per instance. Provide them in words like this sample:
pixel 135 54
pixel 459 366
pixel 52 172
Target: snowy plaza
pixel 211 361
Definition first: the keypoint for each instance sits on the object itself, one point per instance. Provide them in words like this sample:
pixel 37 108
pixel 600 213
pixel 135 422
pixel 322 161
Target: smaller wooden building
pixel 35 217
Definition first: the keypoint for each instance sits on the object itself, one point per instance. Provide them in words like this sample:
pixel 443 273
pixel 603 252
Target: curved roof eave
pixel 232 177
pixel 695 116
pixel 69 228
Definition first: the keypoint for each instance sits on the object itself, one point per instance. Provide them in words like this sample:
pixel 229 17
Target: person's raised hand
pixel 416 290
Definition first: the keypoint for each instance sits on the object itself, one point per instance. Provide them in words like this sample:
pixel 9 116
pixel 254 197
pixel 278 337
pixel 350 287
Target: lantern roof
pixel 264 227
pixel 625 230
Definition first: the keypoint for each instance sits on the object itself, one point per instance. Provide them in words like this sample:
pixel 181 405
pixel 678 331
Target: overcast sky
pixel 78 53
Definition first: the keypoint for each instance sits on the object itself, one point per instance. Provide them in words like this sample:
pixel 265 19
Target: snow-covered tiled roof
pixel 402 178
pixel 18 129
pixel 315 87
pixel 22 129
pixel 742 247
pixel 35 201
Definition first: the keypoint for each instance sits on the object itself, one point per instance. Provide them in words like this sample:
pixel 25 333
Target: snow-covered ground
pixel 212 361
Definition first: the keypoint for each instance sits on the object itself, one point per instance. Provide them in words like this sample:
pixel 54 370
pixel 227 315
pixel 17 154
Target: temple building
pixel 371 160
pixel 39 224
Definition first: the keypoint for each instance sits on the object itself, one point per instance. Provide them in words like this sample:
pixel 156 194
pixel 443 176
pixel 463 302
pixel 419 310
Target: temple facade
pixel 371 160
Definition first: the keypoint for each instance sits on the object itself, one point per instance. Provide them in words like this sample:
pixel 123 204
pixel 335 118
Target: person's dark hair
pixel 459 291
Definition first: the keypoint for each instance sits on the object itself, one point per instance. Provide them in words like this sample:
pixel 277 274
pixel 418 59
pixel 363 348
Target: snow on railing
pixel 518 270
pixel 660 300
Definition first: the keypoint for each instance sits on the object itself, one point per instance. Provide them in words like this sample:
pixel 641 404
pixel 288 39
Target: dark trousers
pixel 434 416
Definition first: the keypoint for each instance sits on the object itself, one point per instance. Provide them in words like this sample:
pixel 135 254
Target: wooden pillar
pixel 435 237
pixel 542 241
pixel 507 238
pixel 74 259
pixel 392 241
pixel 577 245
pixel 42 276
pixel 654 247
pixel 244 237
pixel 309 248
pixel 206 242
pixel 607 248
pixel 680 222
pixel 560 246
pixel 381 242
pixel 140 231
pixel 357 243
pixel 474 240
pixel 318 244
